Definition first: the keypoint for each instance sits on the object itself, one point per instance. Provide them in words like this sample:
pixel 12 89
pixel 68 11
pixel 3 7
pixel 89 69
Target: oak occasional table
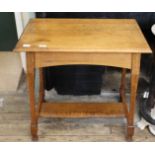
pixel 109 42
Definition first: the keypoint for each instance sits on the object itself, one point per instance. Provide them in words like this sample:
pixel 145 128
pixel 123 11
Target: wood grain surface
pixel 83 35
pixel 45 59
pixel 111 42
pixel 86 110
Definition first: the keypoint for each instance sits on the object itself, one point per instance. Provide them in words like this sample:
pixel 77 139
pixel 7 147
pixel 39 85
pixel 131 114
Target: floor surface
pixel 15 120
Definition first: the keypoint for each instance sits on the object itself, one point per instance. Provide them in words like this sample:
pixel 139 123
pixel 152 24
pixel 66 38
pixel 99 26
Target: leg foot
pixel 34 134
pixel 130 133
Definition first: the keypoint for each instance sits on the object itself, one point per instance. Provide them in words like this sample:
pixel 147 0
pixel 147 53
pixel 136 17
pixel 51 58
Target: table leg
pixel 31 89
pixel 122 92
pixel 41 89
pixel 135 65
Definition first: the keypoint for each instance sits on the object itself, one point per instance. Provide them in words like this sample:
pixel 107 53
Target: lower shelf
pixel 76 110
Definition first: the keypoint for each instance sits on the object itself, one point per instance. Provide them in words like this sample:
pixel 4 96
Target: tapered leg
pixel 31 91
pixel 122 86
pixel 122 92
pixel 135 66
pixel 41 89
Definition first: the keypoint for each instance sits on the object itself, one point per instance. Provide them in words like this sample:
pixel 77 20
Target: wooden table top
pixel 83 35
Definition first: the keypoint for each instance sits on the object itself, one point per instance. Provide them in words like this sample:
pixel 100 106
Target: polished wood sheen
pixel 110 42
pixel 31 87
pixel 75 110
pixel 83 35
pixel 108 59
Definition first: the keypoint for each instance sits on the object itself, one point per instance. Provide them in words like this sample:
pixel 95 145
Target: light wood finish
pixel 122 92
pixel 31 85
pixel 108 59
pixel 86 35
pixel 75 110
pixel 134 83
pixel 41 89
pixel 111 42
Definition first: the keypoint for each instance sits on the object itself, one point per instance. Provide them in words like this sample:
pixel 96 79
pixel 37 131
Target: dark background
pixel 84 80
pixel 8 33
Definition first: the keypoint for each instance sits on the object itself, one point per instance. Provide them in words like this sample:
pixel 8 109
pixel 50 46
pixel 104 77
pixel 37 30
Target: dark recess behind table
pixel 8 33
pixel 69 80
